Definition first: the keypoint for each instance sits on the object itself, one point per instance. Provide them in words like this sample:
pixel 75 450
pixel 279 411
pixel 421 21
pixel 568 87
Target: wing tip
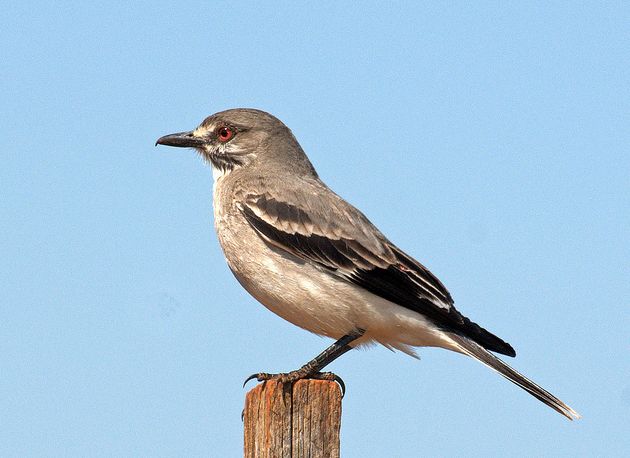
pixel 508 350
pixel 485 338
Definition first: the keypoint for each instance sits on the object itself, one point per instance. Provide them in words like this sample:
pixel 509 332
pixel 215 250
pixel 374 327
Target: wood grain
pixel 298 421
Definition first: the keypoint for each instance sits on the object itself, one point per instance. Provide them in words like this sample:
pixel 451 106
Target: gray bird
pixel 315 260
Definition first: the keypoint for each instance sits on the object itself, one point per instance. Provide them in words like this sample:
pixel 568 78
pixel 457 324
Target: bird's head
pixel 243 137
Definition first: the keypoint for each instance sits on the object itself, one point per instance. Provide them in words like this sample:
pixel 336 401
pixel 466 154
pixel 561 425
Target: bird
pixel 318 262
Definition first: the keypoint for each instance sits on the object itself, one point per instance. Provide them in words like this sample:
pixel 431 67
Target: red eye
pixel 225 134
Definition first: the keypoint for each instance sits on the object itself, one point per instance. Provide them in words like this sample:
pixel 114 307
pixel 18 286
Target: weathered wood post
pixel 290 421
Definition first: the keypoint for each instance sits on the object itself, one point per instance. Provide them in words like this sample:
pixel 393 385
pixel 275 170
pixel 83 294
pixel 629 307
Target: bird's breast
pixel 306 294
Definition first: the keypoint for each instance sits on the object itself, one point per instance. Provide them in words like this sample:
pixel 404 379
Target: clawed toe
pixel 331 377
pixel 340 382
pixel 260 376
pixel 294 376
pixel 282 377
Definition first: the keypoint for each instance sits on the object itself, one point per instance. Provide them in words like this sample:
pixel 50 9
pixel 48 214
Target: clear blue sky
pixel 489 140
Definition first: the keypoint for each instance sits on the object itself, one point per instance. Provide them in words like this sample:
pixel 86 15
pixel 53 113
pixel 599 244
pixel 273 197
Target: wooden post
pixel 293 421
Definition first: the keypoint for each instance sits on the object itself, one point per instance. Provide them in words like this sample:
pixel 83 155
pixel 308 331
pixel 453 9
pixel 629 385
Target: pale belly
pixel 312 298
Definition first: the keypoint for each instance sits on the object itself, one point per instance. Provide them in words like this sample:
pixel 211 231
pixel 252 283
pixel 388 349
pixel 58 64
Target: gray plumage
pixel 315 260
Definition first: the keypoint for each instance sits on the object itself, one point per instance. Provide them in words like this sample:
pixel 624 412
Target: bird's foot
pixel 290 377
pixel 294 376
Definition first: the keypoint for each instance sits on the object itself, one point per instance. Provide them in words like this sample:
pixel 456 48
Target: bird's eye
pixel 225 134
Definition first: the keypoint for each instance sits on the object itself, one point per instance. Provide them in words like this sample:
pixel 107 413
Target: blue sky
pixel 488 140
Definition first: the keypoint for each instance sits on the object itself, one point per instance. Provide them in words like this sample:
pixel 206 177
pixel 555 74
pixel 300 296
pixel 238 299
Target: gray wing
pixel 317 226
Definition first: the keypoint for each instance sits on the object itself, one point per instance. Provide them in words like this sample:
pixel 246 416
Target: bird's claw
pixel 339 381
pixel 291 377
pixel 251 377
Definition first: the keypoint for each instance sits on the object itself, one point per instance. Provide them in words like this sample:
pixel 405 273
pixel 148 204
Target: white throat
pixel 218 173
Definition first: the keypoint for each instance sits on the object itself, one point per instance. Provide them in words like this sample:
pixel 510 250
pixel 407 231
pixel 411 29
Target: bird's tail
pixel 476 351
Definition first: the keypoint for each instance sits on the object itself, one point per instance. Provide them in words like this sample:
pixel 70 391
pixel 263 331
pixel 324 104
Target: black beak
pixel 181 140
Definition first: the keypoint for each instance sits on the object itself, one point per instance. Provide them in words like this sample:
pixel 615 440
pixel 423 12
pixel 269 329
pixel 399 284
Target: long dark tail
pixel 481 354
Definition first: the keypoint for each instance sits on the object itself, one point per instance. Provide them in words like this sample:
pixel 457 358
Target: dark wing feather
pixel 341 239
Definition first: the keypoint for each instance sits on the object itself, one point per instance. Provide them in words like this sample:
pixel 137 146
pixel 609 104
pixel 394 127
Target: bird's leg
pixel 313 367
